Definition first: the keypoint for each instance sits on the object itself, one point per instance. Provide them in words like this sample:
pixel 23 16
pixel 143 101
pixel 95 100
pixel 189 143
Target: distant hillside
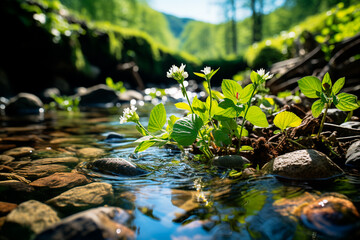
pixel 177 24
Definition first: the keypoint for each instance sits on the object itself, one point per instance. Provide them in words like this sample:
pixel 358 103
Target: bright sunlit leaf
pixel 286 119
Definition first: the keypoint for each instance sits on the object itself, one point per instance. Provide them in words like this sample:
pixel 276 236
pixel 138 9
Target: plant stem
pixel 244 118
pixel 210 94
pixel 141 126
pixel 323 120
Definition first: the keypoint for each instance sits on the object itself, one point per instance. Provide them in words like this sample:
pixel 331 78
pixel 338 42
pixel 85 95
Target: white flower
pixel 177 73
pixel 207 70
pixel 264 76
pixel 129 114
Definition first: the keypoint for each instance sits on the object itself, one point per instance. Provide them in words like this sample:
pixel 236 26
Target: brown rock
pixel 19 152
pixel 6 169
pixel 39 171
pixel 90 152
pixel 4 159
pixel 61 181
pixel 68 161
pixel 6 207
pixel 13 176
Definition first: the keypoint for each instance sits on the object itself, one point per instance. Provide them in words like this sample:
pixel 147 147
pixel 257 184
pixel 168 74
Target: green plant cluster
pixel 214 123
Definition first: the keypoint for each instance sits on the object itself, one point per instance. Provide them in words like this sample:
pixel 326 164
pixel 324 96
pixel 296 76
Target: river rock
pixel 29 218
pixel 351 124
pixel 13 176
pixel 19 152
pixel 24 104
pixel 60 181
pixel 130 95
pixel 103 223
pixel 68 161
pixel 5 169
pixel 353 155
pixel 307 164
pixel 116 166
pixel 15 191
pixel 90 152
pixel 5 159
pixel 33 172
pixel 99 96
pixel 337 116
pixel 6 207
pixel 114 137
pixel 332 216
pixel 83 197
pixel 231 161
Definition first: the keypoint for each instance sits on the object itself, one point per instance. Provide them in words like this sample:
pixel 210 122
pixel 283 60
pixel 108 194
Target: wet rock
pixel 5 169
pixel 15 191
pixel 33 172
pixel 353 155
pixel 116 166
pixel 83 197
pixel 231 161
pixel 66 140
pixel 131 94
pixel 29 218
pixel 95 224
pixel 60 181
pixel 332 216
pixel 6 207
pixel 90 152
pixel 13 176
pixel 24 104
pixel 351 124
pixel 5 159
pixel 307 164
pixel 337 116
pixel 19 152
pixel 68 161
pixel 99 96
pixel 114 137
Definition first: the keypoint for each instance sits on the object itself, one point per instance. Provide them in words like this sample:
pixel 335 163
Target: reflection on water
pixel 179 199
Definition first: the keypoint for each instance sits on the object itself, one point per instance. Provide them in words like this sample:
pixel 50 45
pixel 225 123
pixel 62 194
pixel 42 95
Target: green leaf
pixel 144 145
pixel 221 138
pixel 183 106
pixel 310 86
pixel 338 85
pixel 171 122
pixel 326 81
pixel 213 73
pixel 347 102
pixel 286 119
pixel 246 148
pixel 186 129
pixel 246 93
pixel 255 77
pixel 231 90
pixel 200 109
pixel 228 109
pixel 157 118
pixel 257 117
pixel 277 131
pixel 244 132
pixel 199 74
pixel 214 106
pixel 141 130
pixel 317 108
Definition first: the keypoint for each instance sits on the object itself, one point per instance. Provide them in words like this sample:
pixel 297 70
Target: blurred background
pixel 72 43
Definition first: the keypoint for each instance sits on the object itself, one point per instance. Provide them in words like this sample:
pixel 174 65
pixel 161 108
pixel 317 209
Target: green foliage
pixel 312 87
pixel 186 129
pixel 284 120
pixel 67 103
pixel 119 86
pixel 266 57
pixel 157 118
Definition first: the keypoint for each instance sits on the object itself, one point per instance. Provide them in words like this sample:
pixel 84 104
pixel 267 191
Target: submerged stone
pixel 68 161
pixel 15 191
pixel 90 152
pixel 61 181
pixel 307 164
pixel 116 166
pixel 13 176
pixel 29 218
pixel 99 96
pixel 353 155
pixel 332 216
pixel 83 197
pixel 103 223
pixel 38 171
pixel 6 207
pixel 19 152
pixel 231 161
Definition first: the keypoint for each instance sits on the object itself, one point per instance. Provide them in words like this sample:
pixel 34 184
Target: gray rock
pixel 336 115
pixel 19 152
pixel 68 161
pixel 353 155
pixel 99 96
pixel 33 172
pixel 351 124
pixel 116 166
pixel 95 224
pixel 29 218
pixel 231 161
pixel 307 164
pixel 131 94
pixel 24 104
pixel 83 197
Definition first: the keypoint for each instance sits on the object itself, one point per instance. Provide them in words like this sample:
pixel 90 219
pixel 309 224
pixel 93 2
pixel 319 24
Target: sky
pixel 203 10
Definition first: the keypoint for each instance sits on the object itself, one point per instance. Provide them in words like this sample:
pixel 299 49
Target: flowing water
pixel 178 198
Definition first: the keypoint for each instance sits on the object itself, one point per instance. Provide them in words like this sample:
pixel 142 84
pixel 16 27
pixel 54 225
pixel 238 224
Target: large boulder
pixel 28 218
pixel 24 104
pixel 353 155
pixel 116 166
pixel 95 224
pixel 99 96
pixel 306 164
